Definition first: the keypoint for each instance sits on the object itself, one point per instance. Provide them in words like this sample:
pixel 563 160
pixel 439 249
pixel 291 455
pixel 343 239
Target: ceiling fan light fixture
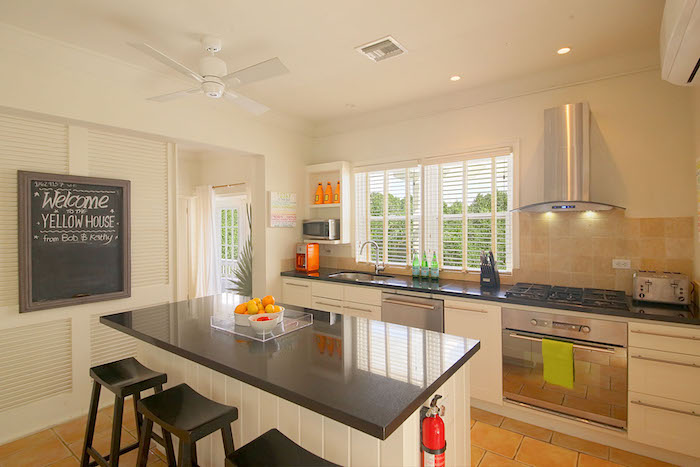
pixel 213 89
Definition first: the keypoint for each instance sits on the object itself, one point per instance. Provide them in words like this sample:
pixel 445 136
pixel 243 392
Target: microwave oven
pixel 322 229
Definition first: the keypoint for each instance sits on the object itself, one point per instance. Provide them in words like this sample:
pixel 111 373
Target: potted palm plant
pixel 242 281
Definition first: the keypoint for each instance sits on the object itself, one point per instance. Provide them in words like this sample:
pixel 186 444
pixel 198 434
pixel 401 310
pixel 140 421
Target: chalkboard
pixel 73 240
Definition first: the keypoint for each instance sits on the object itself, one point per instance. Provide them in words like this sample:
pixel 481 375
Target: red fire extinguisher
pixel 433 444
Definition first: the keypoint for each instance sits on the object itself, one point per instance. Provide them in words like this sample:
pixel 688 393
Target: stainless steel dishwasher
pixel 413 311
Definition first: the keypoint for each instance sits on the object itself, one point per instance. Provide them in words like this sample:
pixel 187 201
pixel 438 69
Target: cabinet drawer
pixel 327 304
pixel 665 374
pixel 472 307
pixel 664 423
pixel 363 311
pixel 668 338
pixel 365 295
pixel 326 290
pixel 296 292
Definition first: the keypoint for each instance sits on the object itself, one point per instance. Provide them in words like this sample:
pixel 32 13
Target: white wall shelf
pixel 332 172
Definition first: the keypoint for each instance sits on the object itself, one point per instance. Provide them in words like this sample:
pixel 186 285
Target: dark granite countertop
pixel 374 392
pixel 473 290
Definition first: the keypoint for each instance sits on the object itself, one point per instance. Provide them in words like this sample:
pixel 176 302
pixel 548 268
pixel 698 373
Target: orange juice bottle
pixel 318 198
pixel 328 194
pixel 336 194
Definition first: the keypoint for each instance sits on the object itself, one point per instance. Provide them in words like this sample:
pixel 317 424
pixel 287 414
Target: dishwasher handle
pixel 411 304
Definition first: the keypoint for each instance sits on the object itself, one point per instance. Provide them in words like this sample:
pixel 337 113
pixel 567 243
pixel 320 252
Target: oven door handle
pixel 577 346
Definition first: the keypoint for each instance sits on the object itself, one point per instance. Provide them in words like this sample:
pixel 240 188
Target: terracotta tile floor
pixel 496 441
pixel 61 445
pixel 501 441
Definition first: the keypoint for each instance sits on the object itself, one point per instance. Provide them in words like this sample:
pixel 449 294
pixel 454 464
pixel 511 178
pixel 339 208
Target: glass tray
pixel 292 321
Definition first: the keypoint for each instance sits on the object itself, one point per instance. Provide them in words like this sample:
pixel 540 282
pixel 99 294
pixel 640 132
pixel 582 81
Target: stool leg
pixel 116 431
pixel 194 454
pixel 185 454
pixel 227 436
pixel 144 443
pixel 137 415
pixel 169 451
pixel 92 418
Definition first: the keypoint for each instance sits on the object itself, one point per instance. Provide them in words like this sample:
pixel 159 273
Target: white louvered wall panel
pixel 107 344
pixel 145 163
pixel 35 362
pixel 25 144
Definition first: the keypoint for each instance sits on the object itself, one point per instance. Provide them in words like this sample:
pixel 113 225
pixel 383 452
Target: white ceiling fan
pixel 213 80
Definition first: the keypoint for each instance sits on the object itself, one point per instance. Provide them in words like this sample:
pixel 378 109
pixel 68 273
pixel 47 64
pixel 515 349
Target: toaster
pixel 661 287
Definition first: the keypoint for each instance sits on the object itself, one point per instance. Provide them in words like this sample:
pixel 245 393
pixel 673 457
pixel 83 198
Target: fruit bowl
pixel 262 323
pixel 242 319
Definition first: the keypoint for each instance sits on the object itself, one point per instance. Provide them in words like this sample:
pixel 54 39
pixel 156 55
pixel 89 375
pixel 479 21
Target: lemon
pixel 252 308
pixel 270 309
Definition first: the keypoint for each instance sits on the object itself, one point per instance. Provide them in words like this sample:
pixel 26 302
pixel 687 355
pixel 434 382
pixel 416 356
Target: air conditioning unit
pixel 680 42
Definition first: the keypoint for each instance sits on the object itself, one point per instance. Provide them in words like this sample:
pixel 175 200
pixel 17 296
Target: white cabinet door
pixel 665 423
pixel 483 322
pixel 365 295
pixel 362 310
pixel 326 290
pixel 296 292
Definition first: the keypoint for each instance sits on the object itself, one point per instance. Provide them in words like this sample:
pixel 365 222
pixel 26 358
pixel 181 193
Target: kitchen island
pixel 347 389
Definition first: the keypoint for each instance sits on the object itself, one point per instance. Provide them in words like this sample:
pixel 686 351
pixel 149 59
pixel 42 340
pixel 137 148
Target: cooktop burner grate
pixel 597 298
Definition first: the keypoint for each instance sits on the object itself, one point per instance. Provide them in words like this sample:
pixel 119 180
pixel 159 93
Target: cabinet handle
pixel 450 307
pixel 411 304
pixel 691 338
pixel 578 346
pixel 653 406
pixel 306 286
pixel 640 357
pixel 327 304
pixel 358 309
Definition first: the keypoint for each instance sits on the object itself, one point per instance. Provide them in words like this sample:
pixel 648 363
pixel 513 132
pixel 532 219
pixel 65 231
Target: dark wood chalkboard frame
pixel 24 180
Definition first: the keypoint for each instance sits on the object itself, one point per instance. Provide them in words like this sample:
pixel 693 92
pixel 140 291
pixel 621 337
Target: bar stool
pixel 188 415
pixel 124 378
pixel 273 449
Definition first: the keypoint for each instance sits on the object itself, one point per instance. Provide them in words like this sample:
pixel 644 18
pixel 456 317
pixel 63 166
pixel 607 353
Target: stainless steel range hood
pixel 567 162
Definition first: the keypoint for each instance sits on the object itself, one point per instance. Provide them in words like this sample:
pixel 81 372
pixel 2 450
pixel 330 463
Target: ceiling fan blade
pixel 161 57
pixel 263 70
pixel 254 107
pixel 175 95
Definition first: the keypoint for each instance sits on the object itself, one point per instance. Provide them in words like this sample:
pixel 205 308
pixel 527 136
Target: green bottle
pixel 415 269
pixel 434 268
pixel 424 269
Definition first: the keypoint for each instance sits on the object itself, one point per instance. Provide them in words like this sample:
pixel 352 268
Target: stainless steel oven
pixel 321 229
pixel 599 394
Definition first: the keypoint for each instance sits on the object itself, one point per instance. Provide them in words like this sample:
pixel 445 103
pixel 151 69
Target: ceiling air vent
pixel 381 49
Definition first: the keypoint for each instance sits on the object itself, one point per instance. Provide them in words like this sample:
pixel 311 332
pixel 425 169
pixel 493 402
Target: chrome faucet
pixel 377 267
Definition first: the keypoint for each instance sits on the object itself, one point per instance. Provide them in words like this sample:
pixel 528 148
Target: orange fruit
pixel 270 308
pixel 268 300
pixel 261 311
pixel 241 309
pixel 278 309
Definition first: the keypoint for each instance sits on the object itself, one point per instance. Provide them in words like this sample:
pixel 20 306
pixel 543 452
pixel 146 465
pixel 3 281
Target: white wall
pixel 44 78
pixel 696 132
pixel 642 154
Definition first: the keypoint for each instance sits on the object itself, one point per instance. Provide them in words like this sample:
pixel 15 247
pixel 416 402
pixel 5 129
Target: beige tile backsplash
pixel 577 248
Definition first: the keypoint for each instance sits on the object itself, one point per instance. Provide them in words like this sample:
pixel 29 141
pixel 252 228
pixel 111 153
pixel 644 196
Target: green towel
pixel 558 358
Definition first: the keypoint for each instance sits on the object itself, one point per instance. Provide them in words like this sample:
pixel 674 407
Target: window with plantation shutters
pixel 387 211
pixel 455 207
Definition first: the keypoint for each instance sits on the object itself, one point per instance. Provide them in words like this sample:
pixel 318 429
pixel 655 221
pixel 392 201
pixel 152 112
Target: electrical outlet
pixel 621 264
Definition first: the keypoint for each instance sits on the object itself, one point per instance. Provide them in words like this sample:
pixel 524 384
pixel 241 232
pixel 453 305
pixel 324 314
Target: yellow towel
pixel 558 358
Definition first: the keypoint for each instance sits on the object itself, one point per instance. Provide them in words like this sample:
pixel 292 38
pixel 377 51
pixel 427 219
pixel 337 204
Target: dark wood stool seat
pixel 127 377
pixel 124 378
pixel 188 415
pixel 273 449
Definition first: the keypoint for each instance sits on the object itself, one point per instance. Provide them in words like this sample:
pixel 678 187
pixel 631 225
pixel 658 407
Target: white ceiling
pixel 481 40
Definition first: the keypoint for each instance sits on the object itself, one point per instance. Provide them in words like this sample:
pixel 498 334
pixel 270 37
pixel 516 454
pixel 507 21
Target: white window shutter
pixel 361 212
pixel 432 208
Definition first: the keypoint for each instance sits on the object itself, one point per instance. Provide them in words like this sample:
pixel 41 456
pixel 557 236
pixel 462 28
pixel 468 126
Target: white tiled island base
pixel 259 411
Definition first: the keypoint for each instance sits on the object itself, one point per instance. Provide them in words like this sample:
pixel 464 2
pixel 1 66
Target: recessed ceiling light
pixel 455 78
pixel 564 50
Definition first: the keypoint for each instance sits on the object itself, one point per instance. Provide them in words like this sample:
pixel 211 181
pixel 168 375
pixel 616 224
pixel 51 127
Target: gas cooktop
pixel 595 298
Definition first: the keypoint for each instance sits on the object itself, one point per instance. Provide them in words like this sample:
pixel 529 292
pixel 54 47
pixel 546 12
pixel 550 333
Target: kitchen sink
pixel 359 276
